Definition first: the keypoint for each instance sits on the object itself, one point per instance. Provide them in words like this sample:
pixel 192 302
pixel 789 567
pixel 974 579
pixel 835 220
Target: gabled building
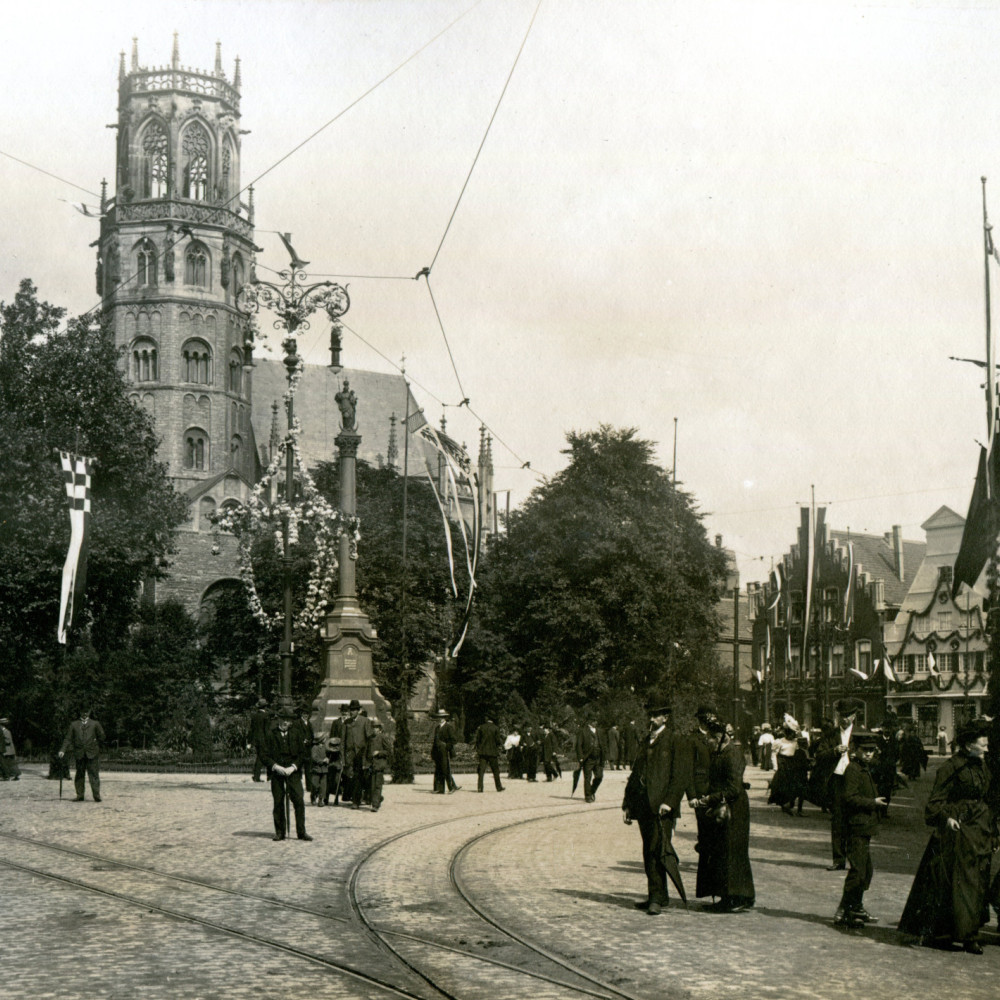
pixel 817 642
pixel 938 644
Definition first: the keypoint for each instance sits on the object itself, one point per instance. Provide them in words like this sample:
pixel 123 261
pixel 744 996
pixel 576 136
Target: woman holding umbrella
pixel 724 830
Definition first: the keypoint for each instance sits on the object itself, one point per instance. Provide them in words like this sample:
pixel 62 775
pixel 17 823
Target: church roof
pixel 379 396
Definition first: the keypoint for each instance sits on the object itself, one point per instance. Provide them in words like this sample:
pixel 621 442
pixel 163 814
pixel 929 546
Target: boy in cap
pixel 379 750
pixel 318 770
pixel 335 769
pixel 860 808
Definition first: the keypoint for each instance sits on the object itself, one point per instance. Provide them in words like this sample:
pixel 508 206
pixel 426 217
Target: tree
pixel 62 388
pixel 603 582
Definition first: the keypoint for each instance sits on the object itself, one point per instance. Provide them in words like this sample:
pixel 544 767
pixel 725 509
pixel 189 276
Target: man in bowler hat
pixel 260 719
pixel 442 743
pixel 285 757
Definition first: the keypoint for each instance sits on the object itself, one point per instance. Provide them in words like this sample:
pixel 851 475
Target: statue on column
pixel 347 400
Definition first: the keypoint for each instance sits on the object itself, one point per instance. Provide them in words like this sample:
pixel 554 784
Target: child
pixel 335 769
pixel 861 806
pixel 318 770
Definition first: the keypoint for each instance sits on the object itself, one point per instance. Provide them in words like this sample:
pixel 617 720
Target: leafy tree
pixel 603 582
pixel 62 388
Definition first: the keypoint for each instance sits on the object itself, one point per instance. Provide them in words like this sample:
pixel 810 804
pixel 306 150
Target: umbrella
pixel 670 860
pixel 576 780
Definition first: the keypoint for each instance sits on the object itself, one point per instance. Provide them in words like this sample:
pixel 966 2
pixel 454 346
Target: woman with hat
pixel 724 828
pixel 947 902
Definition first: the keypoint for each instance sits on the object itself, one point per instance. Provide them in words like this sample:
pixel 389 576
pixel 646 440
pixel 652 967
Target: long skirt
pixel 724 854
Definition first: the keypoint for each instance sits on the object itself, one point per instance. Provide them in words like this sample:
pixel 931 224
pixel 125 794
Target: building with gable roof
pixel 938 644
pixel 859 584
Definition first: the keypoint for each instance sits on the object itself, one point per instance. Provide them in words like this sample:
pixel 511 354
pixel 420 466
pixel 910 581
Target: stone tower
pixel 175 248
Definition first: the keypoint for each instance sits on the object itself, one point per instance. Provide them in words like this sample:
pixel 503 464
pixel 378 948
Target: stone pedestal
pixel 347 635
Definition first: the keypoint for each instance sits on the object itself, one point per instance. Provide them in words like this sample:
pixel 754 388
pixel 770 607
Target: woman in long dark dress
pixel 948 899
pixel 724 833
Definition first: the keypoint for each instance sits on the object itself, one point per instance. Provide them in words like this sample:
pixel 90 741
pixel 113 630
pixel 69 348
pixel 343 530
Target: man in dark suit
pixel 442 743
pixel 285 759
pixel 529 752
pixel 84 739
pixel 487 742
pixel 379 752
pixel 660 777
pixel 550 753
pixel 833 758
pixel 632 739
pixel 590 757
pixel 358 731
pixel 701 742
pixel 260 719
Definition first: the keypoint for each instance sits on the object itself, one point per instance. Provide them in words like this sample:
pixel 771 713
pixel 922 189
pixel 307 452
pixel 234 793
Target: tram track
pixel 566 981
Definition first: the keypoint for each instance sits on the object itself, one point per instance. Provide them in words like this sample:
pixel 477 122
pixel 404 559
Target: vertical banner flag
pixel 809 541
pixel 887 669
pixel 459 484
pixel 777 585
pixel 76 474
pixel 931 664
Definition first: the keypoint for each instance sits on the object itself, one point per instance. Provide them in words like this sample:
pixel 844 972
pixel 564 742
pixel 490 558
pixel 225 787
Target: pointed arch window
pixel 196 454
pixel 154 163
pixel 194 151
pixel 235 371
pixel 145 263
pixel 227 168
pixel 144 361
pixel 236 451
pixel 196 265
pixel 239 274
pixel 197 362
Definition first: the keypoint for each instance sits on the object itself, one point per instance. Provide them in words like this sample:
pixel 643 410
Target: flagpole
pixel 990 372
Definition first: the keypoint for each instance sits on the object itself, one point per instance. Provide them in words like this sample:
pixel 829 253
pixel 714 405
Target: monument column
pixel 348 635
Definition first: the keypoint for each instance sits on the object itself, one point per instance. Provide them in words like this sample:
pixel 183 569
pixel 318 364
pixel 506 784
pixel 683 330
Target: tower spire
pixel 218 58
pixel 135 54
pixel 175 57
pixel 121 67
pixel 236 74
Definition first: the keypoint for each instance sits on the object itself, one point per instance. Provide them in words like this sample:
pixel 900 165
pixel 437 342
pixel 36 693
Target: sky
pixel 758 222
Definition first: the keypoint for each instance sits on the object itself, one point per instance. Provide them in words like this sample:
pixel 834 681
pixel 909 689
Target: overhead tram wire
pixel 358 100
pixel 48 173
pixel 475 159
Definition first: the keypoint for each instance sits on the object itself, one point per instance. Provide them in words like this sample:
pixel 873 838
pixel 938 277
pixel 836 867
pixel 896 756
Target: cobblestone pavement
pixel 546 867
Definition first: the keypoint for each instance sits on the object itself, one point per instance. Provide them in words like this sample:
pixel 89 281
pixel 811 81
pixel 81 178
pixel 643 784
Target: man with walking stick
pixel 284 756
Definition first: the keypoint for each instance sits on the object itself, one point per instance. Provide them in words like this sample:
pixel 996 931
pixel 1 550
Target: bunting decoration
pixel 860 674
pixel 77 472
pixel 777 585
pixel 458 481
pixel 887 668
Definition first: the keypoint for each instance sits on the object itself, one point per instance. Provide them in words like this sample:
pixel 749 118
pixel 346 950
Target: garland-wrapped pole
pixel 292 302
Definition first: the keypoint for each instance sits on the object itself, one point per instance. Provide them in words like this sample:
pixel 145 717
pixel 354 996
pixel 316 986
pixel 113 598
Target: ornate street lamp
pixel 293 302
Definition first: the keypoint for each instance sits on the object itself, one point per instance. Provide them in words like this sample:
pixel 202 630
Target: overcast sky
pixel 761 219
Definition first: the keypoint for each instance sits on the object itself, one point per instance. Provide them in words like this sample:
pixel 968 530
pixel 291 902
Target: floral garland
pixel 245 521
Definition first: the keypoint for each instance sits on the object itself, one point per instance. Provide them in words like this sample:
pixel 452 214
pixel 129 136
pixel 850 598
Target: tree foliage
pixel 604 582
pixel 62 388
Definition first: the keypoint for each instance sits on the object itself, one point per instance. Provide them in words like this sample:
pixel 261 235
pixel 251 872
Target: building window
pixel 196 265
pixel 154 163
pixel 144 368
pixel 227 166
pixel 206 508
pixel 864 653
pixel 943 622
pixel 194 150
pixel 837 661
pixel 946 663
pixel 235 371
pixel 235 450
pixel 145 263
pixel 793 668
pixel 196 449
pixel 796 607
pixel 920 663
pixel 831 601
pixel 927 723
pixel 197 362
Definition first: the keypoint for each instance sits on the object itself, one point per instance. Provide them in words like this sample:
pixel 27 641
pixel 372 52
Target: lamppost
pixel 293 302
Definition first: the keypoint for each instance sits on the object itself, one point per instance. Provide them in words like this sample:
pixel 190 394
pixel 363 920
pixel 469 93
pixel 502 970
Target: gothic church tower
pixel 175 248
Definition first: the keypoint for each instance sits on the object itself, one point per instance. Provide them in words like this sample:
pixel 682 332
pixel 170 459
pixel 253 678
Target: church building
pixel 175 248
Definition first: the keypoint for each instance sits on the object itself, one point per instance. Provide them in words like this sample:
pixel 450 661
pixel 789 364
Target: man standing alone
pixel 487 743
pixel 590 757
pixel 84 738
pixel 285 757
pixel 441 748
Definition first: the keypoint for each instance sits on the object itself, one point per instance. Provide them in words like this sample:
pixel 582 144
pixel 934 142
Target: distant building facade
pixel 938 645
pixel 805 659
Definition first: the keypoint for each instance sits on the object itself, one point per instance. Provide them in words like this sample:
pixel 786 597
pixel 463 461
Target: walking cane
pixel 288 821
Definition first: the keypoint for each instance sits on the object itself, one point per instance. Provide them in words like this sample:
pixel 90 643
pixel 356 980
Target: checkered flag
pixel 76 474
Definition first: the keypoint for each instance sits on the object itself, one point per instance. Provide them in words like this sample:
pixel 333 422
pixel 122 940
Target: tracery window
pixel 227 162
pixel 195 449
pixel 236 450
pixel 145 263
pixel 197 362
pixel 194 149
pixel 196 265
pixel 239 278
pixel 154 162
pixel 144 365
